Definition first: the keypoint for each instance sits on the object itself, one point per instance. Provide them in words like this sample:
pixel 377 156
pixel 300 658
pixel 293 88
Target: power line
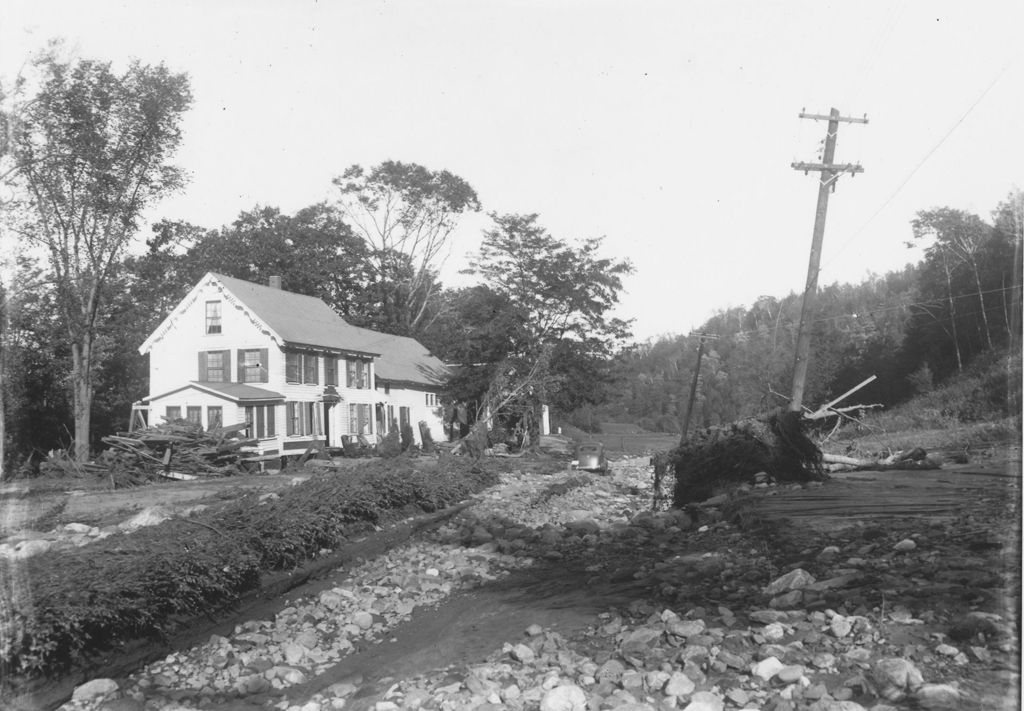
pixel 919 165
pixel 880 309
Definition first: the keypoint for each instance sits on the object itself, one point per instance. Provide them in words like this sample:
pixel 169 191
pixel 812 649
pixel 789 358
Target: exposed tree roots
pixel 720 458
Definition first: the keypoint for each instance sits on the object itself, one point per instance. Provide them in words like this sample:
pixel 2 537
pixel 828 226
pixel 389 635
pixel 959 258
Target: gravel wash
pixel 721 628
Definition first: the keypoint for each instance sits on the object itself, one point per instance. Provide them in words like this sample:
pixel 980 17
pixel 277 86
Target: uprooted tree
pixel 552 300
pixel 717 458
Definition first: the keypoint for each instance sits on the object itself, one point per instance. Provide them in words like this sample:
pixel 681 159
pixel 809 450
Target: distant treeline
pixel 911 328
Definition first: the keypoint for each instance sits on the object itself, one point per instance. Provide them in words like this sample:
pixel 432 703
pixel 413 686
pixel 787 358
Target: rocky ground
pixel 566 591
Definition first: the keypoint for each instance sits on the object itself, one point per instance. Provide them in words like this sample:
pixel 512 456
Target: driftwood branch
pixel 845 395
pixel 822 413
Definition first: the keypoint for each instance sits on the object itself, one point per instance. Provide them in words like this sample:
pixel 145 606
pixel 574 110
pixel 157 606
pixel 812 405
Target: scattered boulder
pixel 938 697
pixel 796 579
pixel 895 678
pixel 94 689
pixel 568 697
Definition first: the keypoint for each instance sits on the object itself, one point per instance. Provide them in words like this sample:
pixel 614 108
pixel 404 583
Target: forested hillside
pixel 911 328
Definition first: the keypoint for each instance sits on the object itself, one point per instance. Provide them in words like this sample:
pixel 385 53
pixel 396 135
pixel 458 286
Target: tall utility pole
pixel 830 173
pixel 693 384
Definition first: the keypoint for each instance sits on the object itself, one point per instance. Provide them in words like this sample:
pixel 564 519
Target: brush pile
pixel 716 459
pixel 174 449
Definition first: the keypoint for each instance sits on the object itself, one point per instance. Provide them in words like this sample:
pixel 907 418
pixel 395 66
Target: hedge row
pixel 68 605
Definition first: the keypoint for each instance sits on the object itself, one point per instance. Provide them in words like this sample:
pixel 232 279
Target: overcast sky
pixel 667 127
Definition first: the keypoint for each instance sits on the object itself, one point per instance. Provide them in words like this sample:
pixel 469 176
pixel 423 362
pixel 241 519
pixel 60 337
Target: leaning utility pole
pixel 693 384
pixel 830 173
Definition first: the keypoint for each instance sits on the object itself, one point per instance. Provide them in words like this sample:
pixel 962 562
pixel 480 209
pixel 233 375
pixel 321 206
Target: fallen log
pixel 911 459
pixel 839 459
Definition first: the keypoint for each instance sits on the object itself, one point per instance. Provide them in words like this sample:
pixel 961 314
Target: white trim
pixel 209 279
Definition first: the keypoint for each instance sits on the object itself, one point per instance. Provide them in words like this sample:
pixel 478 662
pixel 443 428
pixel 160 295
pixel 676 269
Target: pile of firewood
pixel 179 450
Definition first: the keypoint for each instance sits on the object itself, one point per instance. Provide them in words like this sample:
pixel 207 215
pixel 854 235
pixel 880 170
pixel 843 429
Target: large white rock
pixel 94 688
pixel 679 685
pixel 796 579
pixel 568 697
pixel 27 549
pixel 939 697
pixel 149 516
pixel 705 701
pixel 767 668
pixel 894 677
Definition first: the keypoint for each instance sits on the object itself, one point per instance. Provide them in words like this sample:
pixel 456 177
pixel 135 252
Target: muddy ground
pixel 964 521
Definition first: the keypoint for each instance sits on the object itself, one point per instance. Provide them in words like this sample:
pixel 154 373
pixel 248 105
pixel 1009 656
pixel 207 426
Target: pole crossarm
pixel 826 117
pixel 830 167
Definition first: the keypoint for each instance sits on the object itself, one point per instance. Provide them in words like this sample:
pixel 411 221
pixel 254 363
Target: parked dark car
pixel 590 457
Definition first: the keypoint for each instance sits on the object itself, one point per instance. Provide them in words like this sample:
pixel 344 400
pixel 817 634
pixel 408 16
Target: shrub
pixel 408 440
pixel 390 446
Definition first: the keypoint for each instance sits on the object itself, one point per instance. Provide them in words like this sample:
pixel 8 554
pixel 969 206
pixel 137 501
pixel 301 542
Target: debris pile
pixel 180 450
pixel 717 458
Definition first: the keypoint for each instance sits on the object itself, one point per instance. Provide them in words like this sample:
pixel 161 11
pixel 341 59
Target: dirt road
pixel 551 588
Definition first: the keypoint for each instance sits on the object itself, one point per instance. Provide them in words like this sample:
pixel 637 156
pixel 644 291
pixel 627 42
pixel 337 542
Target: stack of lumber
pixel 182 448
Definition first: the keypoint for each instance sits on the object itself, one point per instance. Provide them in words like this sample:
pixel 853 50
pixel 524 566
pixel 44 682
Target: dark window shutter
pixel 264 370
pixel 271 432
pixel 202 367
pixel 226 364
pixel 240 366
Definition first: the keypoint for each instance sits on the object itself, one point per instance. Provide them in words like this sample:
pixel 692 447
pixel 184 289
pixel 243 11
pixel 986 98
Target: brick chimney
pixel 274 282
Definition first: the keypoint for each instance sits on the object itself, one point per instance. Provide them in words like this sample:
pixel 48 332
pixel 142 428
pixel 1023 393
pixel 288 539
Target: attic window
pixel 212 317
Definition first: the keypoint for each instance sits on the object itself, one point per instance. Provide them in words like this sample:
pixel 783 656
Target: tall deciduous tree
pixel 91 152
pixel 960 237
pixel 406 213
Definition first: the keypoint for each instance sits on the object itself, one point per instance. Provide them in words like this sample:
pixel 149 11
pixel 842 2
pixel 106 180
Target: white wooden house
pixel 233 351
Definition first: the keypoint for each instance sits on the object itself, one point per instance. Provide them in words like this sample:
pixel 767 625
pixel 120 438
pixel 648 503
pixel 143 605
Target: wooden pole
pixel 829 174
pixel 693 386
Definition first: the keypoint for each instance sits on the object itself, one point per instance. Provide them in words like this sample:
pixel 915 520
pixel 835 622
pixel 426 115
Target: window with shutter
pixel 330 370
pixel 216 371
pixel 250 366
pixel 293 367
pixel 310 369
pixel 214 417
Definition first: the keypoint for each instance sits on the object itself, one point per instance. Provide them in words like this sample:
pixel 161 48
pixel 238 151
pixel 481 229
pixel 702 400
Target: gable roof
pixel 299 319
pixel 289 318
pixel 404 359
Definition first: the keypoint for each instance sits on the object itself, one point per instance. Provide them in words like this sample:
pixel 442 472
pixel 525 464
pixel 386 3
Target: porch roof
pixel 235 392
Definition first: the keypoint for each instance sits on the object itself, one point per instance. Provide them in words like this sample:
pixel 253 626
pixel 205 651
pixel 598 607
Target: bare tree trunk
pixel 1006 306
pixel 952 315
pixel 533 425
pixel 981 298
pixel 81 387
pixel 3 379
